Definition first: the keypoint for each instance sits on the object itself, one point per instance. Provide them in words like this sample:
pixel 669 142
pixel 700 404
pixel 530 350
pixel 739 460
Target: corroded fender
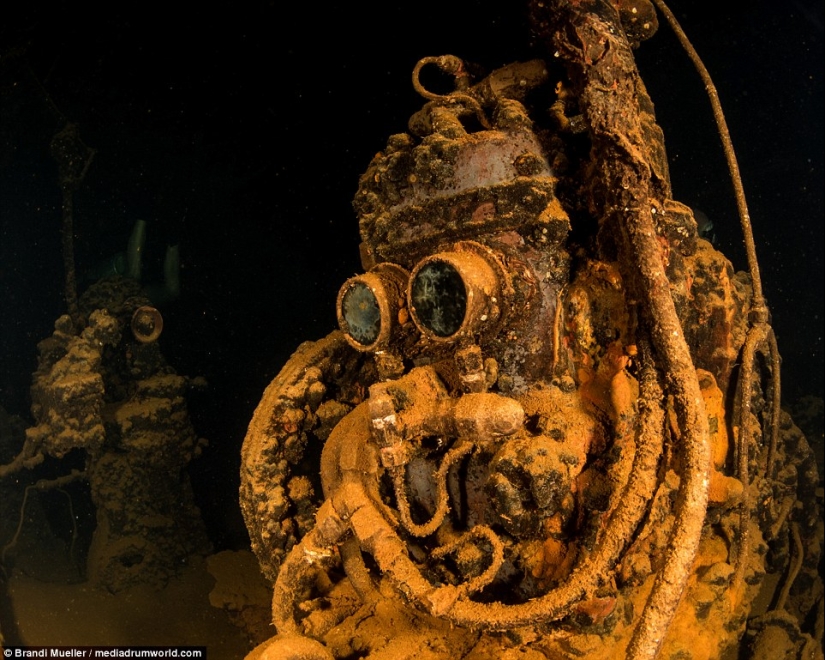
pixel 319 384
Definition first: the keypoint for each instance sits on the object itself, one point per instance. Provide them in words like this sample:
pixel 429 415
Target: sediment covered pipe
pixel 377 536
pixel 350 507
pixel 301 565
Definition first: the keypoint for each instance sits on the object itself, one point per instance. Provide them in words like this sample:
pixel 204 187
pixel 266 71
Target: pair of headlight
pixel 447 295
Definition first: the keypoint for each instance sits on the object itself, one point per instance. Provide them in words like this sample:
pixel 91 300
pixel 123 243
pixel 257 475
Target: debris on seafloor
pixel 549 426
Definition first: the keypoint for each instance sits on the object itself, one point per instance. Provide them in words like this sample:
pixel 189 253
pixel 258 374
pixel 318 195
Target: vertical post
pixel 73 158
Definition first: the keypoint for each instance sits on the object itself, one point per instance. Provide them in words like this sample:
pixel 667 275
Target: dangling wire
pixel 760 337
pixel 758 307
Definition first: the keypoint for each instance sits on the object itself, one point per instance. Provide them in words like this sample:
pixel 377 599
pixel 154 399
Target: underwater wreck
pixel 549 425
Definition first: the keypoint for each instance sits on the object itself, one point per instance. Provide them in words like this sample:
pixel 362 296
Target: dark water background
pixel 239 131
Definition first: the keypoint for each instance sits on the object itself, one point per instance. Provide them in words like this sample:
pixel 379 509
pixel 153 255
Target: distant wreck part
pixel 123 404
pixel 130 264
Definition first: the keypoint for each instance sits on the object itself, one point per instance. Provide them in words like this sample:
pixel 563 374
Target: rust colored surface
pixel 533 437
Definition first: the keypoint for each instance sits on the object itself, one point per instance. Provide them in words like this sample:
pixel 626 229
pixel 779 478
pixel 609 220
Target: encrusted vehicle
pixel 549 425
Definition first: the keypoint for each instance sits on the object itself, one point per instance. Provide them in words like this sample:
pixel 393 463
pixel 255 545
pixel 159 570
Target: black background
pixel 239 131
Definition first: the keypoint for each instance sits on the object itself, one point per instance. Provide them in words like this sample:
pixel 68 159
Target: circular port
pixel 369 306
pixel 147 324
pixel 439 298
pixel 360 311
pixel 454 294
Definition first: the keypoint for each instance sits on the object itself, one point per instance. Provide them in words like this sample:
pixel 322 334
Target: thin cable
pixel 758 308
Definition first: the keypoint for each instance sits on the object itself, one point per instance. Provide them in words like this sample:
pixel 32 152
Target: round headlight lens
pixel 360 310
pixel 439 298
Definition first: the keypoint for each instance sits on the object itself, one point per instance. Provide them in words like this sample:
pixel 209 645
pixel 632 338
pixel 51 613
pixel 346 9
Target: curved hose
pixel 301 565
pixel 760 339
pixel 488 575
pixel 376 536
pixel 589 38
pixel 453 456
pixel 454 66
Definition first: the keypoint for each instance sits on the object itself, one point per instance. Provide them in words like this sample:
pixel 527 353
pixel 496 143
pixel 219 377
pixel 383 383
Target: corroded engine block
pixel 509 465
